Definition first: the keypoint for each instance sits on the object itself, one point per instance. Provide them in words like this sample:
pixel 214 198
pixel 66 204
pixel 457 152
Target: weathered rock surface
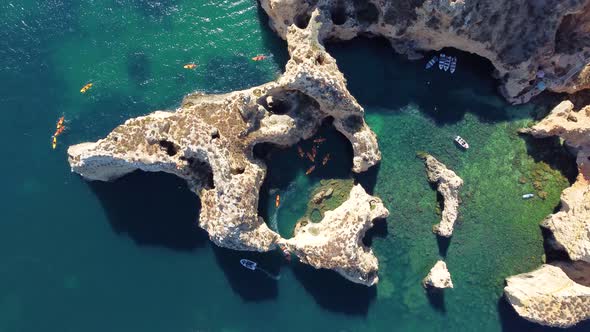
pixel 209 140
pixel 518 37
pixel 548 296
pixel 448 184
pixel 319 197
pixel 336 242
pixel 571 225
pixel 438 277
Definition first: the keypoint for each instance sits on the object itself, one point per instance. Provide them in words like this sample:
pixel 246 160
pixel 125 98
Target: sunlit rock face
pixel 438 277
pixel 447 184
pixel 209 140
pixel 518 37
pixel 336 241
pixel 549 297
pixel 571 225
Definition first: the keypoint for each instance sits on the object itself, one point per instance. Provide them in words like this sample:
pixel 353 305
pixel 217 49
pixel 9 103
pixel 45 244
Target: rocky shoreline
pixel 209 140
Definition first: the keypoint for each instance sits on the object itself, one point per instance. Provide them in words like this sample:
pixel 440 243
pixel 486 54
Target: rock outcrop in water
pixel 548 296
pixel 438 277
pixel 518 37
pixel 336 242
pixel 209 142
pixel 448 185
pixel 571 226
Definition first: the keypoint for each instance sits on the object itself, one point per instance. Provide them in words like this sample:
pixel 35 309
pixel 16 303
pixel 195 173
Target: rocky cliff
pixel 209 140
pixel 448 184
pixel 548 296
pixel 336 241
pixel 571 225
pixel 518 37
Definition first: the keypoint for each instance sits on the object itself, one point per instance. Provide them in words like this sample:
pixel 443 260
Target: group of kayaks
pixel 311 155
pixel 60 127
pixel 445 62
pixel 191 65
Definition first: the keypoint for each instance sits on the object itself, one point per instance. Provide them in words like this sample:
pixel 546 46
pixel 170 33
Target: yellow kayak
pixel 86 88
pixel 54 142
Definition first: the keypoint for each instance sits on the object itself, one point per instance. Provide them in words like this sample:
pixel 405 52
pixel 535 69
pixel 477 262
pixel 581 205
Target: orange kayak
pixel 309 170
pixel 86 88
pixel 300 151
pixel 314 152
pixel 60 122
pixel 326 158
pixel 190 66
pixel 259 57
pixel 59 131
pixel 319 140
pixel 310 157
pixel 278 201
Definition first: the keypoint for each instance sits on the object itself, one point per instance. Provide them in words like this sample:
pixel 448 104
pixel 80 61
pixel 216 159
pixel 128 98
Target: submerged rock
pixel 448 185
pixel 323 194
pixel 549 297
pixel 335 243
pixel 209 140
pixel 571 225
pixel 438 277
pixel 506 32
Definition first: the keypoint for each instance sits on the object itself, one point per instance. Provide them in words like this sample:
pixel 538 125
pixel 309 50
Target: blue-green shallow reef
pixel 126 256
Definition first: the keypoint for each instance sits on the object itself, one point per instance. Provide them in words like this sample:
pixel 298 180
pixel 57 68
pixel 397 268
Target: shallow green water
pixel 126 256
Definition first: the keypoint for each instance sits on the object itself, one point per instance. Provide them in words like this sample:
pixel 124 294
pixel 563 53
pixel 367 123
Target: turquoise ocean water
pixel 127 256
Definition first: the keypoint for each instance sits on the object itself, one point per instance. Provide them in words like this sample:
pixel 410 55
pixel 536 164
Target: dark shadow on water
pixel 436 298
pixel 368 179
pixel 153 209
pixel 550 151
pixel 381 79
pixel 378 230
pixel 250 285
pixel 443 245
pixel 276 45
pixel 333 292
pixel 512 322
pixel 138 67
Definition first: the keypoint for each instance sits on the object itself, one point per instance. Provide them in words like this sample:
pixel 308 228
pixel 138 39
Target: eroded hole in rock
pixel 338 15
pixel 353 123
pixel 571 36
pixel 170 148
pixel 379 230
pixel 366 12
pixel 202 172
pixel 302 20
pixel 320 59
pixel 286 101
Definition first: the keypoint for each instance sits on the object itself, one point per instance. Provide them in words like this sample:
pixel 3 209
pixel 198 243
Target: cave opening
pixel 170 147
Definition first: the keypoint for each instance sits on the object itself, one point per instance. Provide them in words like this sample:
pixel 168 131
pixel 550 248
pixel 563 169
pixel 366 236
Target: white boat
pixel 441 61
pixel 463 143
pixel 447 63
pixel 527 196
pixel 431 62
pixel 248 264
pixel 453 64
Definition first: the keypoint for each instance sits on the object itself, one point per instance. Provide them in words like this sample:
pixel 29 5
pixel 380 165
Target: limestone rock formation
pixel 438 277
pixel 448 185
pixel 336 241
pixel 548 296
pixel 518 37
pixel 319 197
pixel 571 226
pixel 209 140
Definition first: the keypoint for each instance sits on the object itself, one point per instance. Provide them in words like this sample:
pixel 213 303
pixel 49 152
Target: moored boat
pixel 453 64
pixel 442 60
pixel 248 264
pixel 463 143
pixel 527 196
pixel 447 63
pixel 431 62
